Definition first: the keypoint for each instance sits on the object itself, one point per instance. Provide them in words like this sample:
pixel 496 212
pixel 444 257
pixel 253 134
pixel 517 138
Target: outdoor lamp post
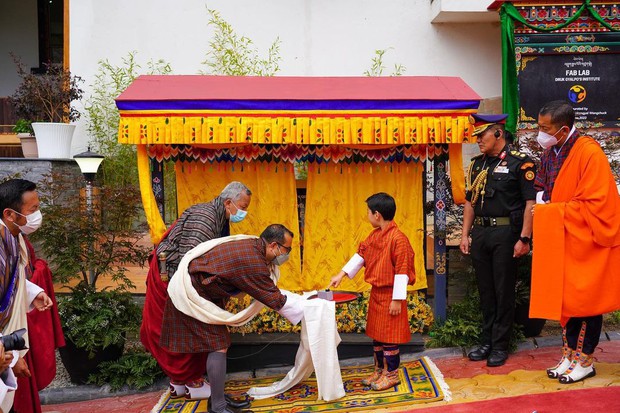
pixel 89 164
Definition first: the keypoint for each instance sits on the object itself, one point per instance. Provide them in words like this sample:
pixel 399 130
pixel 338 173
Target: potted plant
pixel 45 100
pixel 23 129
pixel 87 245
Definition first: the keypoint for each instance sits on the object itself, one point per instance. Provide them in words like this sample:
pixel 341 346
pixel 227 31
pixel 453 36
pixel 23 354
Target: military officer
pixel 496 231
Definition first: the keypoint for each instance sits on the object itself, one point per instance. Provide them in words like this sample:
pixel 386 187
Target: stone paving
pixel 524 373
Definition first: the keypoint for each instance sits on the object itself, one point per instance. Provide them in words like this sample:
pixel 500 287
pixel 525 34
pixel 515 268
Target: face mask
pixel 545 140
pixel 33 222
pixel 281 259
pixel 239 215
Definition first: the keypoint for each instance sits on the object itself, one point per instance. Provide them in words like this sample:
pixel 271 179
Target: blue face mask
pixel 239 215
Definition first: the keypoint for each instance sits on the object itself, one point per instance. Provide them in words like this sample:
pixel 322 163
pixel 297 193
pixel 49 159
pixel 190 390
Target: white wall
pixel 319 37
pixel 18 34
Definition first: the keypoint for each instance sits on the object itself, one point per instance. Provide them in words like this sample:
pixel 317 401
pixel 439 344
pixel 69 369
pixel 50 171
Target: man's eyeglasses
pixel 286 249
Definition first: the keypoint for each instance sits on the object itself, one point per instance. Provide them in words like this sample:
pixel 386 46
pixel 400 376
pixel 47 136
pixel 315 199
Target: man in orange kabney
pixel 575 273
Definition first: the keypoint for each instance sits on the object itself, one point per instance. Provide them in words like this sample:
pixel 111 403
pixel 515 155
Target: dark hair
pixel 275 233
pixel 562 113
pixel 11 193
pixel 383 204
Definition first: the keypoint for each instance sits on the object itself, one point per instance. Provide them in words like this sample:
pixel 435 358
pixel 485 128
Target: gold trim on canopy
pixel 204 129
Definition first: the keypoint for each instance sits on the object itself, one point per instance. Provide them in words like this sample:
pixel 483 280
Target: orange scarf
pixel 577 240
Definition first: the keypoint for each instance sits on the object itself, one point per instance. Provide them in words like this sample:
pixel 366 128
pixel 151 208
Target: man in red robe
pixel 575 272
pixel 45 337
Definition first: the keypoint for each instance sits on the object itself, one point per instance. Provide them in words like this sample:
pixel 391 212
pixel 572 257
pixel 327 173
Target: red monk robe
pixel 576 261
pixel 46 336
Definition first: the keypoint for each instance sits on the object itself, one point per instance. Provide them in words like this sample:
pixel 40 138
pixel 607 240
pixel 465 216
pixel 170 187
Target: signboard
pixel 588 81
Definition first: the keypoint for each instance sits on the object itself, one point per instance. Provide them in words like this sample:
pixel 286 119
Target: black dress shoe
pixel 497 358
pixel 480 352
pixel 237 403
pixel 237 406
pixel 231 410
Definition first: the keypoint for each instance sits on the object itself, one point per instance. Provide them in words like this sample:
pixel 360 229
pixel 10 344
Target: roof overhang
pixel 199 109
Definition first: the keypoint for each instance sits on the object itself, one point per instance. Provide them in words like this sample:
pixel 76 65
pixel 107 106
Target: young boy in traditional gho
pixel 387 256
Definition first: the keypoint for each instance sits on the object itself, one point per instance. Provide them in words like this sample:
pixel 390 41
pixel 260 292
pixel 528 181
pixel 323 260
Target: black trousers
pixel 594 326
pixel 492 250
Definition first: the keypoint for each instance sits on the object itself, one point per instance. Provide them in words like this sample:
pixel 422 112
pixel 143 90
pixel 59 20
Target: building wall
pixel 319 37
pixel 19 35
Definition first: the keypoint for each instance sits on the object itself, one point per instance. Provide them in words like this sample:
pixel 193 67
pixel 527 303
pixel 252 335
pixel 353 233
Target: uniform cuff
pixel 400 287
pixel 353 266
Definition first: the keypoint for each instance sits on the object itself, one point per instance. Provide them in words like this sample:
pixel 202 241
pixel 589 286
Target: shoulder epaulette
pixel 517 154
pixel 477 157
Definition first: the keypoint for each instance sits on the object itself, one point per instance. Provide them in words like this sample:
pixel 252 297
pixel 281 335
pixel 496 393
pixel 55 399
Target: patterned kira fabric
pixel 229 268
pixel 386 253
pixel 199 223
pixel 550 165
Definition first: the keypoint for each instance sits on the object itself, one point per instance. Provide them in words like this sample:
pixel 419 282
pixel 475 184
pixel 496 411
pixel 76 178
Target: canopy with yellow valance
pixel 358 135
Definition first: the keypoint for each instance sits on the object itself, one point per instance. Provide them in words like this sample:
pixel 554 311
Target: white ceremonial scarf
pixel 187 300
pixel 317 352
pixel 20 305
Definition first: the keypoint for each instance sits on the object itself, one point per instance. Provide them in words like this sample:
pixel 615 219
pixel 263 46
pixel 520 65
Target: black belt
pixel 492 221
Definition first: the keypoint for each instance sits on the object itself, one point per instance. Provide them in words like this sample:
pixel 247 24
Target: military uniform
pixel 498 188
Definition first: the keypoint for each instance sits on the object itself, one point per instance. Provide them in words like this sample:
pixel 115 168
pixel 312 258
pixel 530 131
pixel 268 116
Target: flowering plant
pixel 350 317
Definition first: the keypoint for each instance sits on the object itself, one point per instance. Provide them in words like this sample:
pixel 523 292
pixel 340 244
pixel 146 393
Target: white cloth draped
pixel 317 352
pixel 187 300
pixel 18 318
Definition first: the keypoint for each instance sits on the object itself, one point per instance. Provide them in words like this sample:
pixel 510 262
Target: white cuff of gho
pixel 539 197
pixel 293 309
pixel 353 266
pixel 400 287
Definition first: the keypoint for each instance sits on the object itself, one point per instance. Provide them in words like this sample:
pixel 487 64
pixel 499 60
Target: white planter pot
pixel 53 139
pixel 29 145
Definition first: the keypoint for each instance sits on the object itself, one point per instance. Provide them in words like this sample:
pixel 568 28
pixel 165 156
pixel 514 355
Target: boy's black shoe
pixel 480 352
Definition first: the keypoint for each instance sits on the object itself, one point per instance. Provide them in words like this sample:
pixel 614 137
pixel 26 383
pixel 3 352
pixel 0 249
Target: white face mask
pixel 547 141
pixel 33 222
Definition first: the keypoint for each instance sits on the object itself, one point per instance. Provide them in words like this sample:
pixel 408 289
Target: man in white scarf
pixel 19 206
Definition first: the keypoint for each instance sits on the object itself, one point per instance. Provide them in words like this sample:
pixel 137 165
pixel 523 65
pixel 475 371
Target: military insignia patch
pixel 527 165
pixel 529 175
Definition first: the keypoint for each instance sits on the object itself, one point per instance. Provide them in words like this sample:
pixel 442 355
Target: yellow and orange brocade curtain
pixel 336 217
pixel 274 200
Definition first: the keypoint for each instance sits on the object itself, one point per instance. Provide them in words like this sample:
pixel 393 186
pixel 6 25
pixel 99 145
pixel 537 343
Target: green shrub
pixel 137 369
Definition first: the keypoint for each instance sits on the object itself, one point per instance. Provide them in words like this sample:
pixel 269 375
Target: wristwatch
pixel 525 240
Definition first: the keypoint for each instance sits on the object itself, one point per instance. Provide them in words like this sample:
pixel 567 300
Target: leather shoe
pixel 497 358
pixel 237 403
pixel 229 408
pixel 480 352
